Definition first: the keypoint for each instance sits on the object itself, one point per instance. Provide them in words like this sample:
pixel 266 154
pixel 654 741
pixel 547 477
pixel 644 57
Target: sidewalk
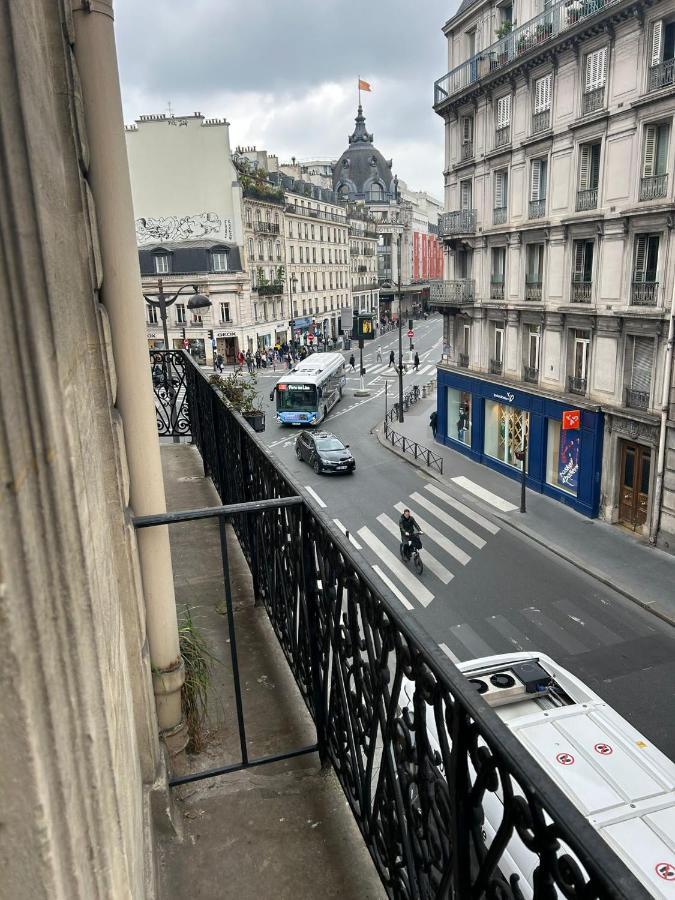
pixel 606 552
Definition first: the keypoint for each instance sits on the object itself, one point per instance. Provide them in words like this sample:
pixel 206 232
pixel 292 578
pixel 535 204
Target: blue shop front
pixel 488 422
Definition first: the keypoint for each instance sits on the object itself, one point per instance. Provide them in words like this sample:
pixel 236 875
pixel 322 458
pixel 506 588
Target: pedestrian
pixel 379 355
pixel 257 358
pixel 391 359
pixel 417 360
pixel 433 421
pixel 220 362
pixel 352 362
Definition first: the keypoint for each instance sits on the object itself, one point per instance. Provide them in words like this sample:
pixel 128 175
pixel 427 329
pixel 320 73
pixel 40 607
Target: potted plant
pixel 504 29
pixel 240 393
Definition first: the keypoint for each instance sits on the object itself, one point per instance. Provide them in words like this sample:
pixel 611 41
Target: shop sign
pixel 571 420
pixel 226 334
pixel 568 460
pixel 151 334
pixel 507 396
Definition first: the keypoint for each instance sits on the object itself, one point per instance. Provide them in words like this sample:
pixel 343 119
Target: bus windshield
pixel 296 397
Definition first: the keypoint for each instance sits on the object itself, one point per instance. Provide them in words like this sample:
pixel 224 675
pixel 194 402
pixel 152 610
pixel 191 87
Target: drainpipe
pixel 665 405
pixel 108 178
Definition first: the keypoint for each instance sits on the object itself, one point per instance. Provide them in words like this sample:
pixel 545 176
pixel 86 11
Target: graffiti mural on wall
pixel 183 228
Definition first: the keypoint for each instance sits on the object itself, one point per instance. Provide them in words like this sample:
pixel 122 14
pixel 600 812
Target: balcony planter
pixel 544 31
pixel 240 393
pixel 256 419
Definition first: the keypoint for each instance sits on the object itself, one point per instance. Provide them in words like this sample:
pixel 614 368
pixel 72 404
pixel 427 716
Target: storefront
pixel 226 346
pixel 490 422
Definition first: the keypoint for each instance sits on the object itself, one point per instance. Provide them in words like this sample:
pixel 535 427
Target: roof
pixel 362 166
pixel 207 244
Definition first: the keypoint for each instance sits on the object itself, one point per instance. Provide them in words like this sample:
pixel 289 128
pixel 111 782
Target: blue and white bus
pixel 308 392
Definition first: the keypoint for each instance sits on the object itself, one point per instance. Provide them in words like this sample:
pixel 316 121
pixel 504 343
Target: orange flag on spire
pixel 364 86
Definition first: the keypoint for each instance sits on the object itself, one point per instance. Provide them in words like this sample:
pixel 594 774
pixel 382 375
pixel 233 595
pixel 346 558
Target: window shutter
pixel 657 31
pixel 542 94
pixel 595 167
pixel 467 129
pixel 602 66
pixel 500 193
pixel 504 111
pixel 585 168
pixel 466 195
pixel 643 353
pixel 537 192
pixel 578 260
pixel 596 69
pixel 640 257
pixel 651 134
pixel 662 150
pixel 507 110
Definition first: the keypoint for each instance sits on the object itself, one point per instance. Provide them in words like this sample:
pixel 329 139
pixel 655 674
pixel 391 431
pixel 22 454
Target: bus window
pixel 297 397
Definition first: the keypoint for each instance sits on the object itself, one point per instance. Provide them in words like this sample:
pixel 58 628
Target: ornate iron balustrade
pixel 350 648
pixel 464 360
pixel 637 399
pixel 533 291
pixel 496 290
pixel 644 293
pixel 496 367
pixel 581 291
pixel 592 101
pixel 548 25
pixel 295 210
pixel 576 385
pixel 536 209
pixel 266 227
pixel 654 186
pixel 502 136
pixel 499 215
pixel 587 199
pixel 531 374
pixel 268 290
pixel 452 293
pixel 467 150
pixel 541 121
pixel 461 221
pixel 661 76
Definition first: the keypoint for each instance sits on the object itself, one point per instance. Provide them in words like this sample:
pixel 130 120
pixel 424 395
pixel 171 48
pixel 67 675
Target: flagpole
pixel 359 88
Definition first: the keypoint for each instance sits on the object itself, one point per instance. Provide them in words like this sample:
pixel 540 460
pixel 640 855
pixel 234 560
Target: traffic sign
pixel 565 759
pixel 411 333
pixel 571 420
pixel 666 871
pixel 603 749
pixel 310 338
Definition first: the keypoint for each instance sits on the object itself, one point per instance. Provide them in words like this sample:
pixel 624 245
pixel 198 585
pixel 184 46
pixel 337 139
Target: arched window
pixel 250 248
pixel 277 250
pixel 375 192
pixel 248 215
pixel 276 217
pixel 261 254
pixel 269 249
pixel 257 215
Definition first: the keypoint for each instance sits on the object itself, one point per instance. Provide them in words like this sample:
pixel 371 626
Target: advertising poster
pixel 568 460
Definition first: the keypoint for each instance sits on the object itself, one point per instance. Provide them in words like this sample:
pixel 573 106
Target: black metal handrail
pixel 349 647
pixel 587 199
pixel 407 445
pixel 410 398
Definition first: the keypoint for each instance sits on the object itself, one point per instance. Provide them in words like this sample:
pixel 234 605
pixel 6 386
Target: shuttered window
pixel 646 257
pixel 589 167
pixel 655 155
pixel 642 353
pixel 542 93
pixel 538 179
pixel 583 261
pixel 535 263
pixel 467 129
pixel 465 194
pixel 498 264
pixel 596 69
pixel 501 189
pixel 656 43
pixel 504 111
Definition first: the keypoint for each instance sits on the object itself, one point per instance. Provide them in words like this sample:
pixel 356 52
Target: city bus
pixel 307 393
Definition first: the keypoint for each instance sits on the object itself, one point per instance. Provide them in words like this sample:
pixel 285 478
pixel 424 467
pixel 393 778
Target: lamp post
pixel 400 333
pixel 292 283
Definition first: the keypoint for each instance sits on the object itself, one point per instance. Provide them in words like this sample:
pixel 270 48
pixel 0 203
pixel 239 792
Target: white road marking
pixel 448 652
pixel 474 644
pixel 392 587
pixel 315 495
pixel 349 535
pixel 465 510
pixel 430 563
pixel 448 520
pixel 404 575
pixel 423 370
pixel 454 551
pixel 484 494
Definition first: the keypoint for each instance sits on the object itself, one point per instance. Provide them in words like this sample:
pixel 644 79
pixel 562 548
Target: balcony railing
pixel 587 199
pixel 661 76
pixel 464 360
pixel 576 385
pixel 497 290
pixel 531 374
pixel 654 186
pixel 581 291
pixel 592 101
pixel 537 209
pixel 637 399
pixel 352 652
pixel 467 150
pixel 462 221
pixel 362 268
pixel 266 227
pixel 499 215
pixel 296 210
pixel 496 367
pixel 453 293
pixel 557 19
pixel 533 290
pixel 502 136
pixel 266 290
pixel 541 121
pixel 644 293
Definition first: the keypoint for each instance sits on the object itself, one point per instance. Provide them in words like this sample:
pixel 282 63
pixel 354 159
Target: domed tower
pixel 362 173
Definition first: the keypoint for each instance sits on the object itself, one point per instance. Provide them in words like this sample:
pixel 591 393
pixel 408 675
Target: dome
pixel 362 173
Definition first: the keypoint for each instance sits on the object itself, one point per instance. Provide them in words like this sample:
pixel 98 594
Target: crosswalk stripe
pixel 516 640
pixel 436 536
pixel 315 495
pixel 465 532
pixel 392 587
pixel 430 562
pixel 351 537
pixel 448 652
pixel 554 631
pixel 404 575
pixel 484 494
pixel 465 510
pixel 468 638
pixel 423 370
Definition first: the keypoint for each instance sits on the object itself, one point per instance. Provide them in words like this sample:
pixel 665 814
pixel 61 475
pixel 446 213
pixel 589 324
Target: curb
pixel 556 550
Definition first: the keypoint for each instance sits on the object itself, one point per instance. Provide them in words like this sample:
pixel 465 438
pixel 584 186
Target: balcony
pixel 462 221
pixel 467 151
pixel 653 187
pixel 536 209
pixel 531 374
pixel 581 291
pixel 362 268
pixel 497 289
pixel 541 121
pixel 533 290
pixel 592 101
pixel 268 290
pixel 644 293
pixel 587 199
pixel 661 76
pixel 459 292
pixel 464 360
pixel 637 399
pixel 266 227
pixel 576 385
pixel 496 367
pixel 502 137
pixel 558 19
pixel 499 215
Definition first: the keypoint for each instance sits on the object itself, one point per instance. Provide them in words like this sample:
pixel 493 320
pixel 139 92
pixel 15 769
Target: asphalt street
pixel 485 587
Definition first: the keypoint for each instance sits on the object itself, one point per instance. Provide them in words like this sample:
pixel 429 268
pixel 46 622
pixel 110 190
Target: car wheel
pixel 325 411
pixel 298 453
pixel 317 466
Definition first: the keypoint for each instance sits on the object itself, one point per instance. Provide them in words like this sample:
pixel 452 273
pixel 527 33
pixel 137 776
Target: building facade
pixel 363 260
pixel 558 245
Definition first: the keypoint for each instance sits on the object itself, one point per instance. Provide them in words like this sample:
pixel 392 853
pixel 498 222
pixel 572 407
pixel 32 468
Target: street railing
pixel 418 451
pixel 350 647
pixel 409 399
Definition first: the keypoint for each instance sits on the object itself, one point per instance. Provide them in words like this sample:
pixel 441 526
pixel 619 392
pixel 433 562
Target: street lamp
pixel 389 285
pixel 197 301
pixel 292 285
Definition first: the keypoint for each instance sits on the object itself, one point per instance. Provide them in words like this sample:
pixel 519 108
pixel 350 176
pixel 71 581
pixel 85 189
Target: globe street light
pixel 162 300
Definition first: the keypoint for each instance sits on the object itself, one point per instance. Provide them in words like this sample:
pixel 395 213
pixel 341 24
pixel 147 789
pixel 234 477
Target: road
pixel 485 588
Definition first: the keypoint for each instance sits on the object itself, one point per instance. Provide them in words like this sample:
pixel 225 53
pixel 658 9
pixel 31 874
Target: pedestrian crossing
pixel 377 372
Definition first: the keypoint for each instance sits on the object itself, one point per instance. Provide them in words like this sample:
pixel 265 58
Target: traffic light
pixel 183 330
pixel 410 324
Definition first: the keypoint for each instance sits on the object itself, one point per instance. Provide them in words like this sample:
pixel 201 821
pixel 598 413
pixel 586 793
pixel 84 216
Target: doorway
pixel 634 487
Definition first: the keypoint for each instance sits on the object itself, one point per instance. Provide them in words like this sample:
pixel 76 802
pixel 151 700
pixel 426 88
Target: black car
pixel 324 452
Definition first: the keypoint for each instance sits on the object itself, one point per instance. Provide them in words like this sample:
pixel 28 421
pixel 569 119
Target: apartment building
pixel 558 243
pixel 363 260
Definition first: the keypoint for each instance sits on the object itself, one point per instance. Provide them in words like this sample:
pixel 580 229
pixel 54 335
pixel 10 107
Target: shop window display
pixel 562 458
pixel 459 416
pixel 505 428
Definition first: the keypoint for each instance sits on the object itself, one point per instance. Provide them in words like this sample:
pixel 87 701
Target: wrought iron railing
pixel 644 293
pixel 467 150
pixel 461 221
pixel 581 291
pixel 502 136
pixel 576 385
pixel 499 215
pixel 496 367
pixel 558 18
pixel 661 76
pixel 266 227
pixel 268 290
pixel 349 647
pixel 653 186
pixel 593 100
pixel 531 374
pixel 541 121
pixel 536 209
pixel 533 291
pixel 418 451
pixel 496 290
pixel 464 360
pixel 637 399
pixel 454 293
pixel 587 199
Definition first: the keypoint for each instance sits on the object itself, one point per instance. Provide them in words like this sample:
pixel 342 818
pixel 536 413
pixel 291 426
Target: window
pixel 595 78
pixel 219 261
pixel 323 255
pixel 248 216
pixel 589 176
pixel 662 44
pixel 224 312
pixel 306 232
pixel 645 275
pixel 292 254
pixel 330 256
pixel 503 120
pixel 249 246
pixel 533 339
pixel 466 124
pixel 465 194
pixel 313 254
pixel 582 271
pixel 180 313
pixel 302 281
pixel 534 273
pixel 315 281
pixel 276 217
pixel 321 232
pixel 162 266
pixel 261 254
pixel 499 343
pixel 375 192
pixel 459 415
pixel 654 162
pixel 497 273
pixel 501 196
pixel 581 350
pixel 269 249
pixel 466 340
pixel 277 251
pixel 562 458
pixel 153 316
pixel 542 103
pixel 506 430
pixel 538 171
pixel 302 254
pixel 290 228
pixel 258 216
pixel 312 232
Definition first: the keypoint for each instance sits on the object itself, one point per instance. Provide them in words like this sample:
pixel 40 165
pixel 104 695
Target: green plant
pixel 504 29
pixel 239 392
pixel 198 661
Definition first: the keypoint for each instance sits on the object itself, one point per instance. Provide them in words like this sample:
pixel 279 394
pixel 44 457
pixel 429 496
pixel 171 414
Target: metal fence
pixel 350 647
pixel 418 451
pixel 410 397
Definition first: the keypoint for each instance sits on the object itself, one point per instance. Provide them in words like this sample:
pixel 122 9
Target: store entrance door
pixel 634 490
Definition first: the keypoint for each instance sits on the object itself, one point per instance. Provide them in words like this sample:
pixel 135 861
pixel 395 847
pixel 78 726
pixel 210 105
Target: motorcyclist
pixel 410 531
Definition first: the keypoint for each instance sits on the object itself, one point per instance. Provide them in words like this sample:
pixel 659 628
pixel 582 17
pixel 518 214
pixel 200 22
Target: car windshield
pixel 329 444
pixel 299 397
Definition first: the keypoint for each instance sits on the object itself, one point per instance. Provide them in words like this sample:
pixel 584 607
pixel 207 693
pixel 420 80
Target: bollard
pixel 424 390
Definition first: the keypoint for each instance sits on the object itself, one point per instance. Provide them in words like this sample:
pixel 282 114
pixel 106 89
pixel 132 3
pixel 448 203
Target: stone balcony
pixel 461 221
pixel 459 292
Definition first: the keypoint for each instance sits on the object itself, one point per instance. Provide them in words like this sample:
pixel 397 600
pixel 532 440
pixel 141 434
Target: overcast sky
pixel 284 72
